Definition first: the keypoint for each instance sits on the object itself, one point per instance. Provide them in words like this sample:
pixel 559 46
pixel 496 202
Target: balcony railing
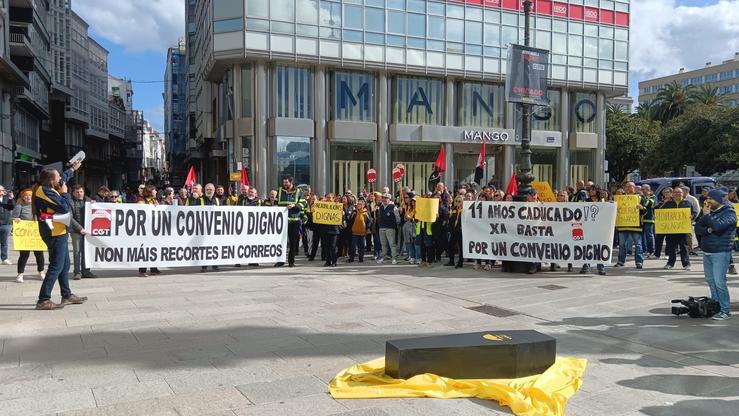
pixel 16 37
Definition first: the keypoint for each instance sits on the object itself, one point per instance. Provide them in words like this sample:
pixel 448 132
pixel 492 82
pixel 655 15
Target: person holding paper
pixel 675 241
pixel 631 235
pixel 23 211
pixel 50 198
pixel 717 227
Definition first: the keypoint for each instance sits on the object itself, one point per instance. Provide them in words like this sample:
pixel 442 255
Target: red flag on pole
pixel 481 163
pixel 512 187
pixel 440 164
pixel 190 180
pixel 244 177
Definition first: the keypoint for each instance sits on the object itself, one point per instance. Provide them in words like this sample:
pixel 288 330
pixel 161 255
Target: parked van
pixel 695 184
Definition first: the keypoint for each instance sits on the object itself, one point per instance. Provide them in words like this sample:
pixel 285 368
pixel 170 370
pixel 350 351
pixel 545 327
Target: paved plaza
pixel 265 341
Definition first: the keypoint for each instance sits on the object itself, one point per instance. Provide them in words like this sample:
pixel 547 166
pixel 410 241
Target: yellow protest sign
pixel 26 236
pixel 736 209
pixel 328 213
pixel 545 191
pixel 427 209
pixel 673 221
pixel 234 176
pixel 627 214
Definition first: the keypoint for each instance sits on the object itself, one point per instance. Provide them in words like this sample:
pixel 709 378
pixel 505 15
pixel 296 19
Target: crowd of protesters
pixel 377 224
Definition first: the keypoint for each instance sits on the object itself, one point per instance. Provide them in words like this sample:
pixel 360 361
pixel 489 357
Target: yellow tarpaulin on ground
pixel 672 221
pixel 540 395
pixel 427 209
pixel 545 191
pixel 26 236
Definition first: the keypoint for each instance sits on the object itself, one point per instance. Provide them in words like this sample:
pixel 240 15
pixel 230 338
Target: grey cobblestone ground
pixel 265 341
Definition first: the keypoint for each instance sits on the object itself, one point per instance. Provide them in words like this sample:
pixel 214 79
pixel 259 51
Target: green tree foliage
pixel 706 136
pixel 707 95
pixel 672 99
pixel 630 139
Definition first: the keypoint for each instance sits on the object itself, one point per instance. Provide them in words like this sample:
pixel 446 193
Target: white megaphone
pixel 65 219
pixel 79 157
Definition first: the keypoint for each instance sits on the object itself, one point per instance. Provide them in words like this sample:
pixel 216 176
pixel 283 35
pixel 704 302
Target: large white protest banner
pixel 575 233
pixel 139 235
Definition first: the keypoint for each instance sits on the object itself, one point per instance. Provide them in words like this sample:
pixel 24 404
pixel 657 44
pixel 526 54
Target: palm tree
pixel 707 95
pixel 647 111
pixel 615 108
pixel 672 100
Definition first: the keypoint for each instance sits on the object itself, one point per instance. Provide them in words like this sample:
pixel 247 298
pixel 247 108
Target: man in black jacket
pixel 6 208
pixel 77 203
pixel 678 241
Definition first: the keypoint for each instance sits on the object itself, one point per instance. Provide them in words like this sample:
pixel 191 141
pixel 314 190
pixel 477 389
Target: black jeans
pixel 659 241
pixel 673 242
pixel 293 241
pixel 328 244
pixel 441 242
pixel 315 241
pixel 455 247
pixel 23 259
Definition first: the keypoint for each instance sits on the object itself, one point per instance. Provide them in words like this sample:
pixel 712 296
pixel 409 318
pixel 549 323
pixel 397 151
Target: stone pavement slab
pixel 265 341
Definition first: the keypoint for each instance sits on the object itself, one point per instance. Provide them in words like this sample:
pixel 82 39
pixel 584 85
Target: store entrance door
pixel 350 175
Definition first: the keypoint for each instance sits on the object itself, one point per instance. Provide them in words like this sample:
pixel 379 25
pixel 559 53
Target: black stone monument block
pixel 479 355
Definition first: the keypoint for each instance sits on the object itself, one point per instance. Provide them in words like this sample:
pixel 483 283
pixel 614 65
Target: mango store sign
pixel 478 136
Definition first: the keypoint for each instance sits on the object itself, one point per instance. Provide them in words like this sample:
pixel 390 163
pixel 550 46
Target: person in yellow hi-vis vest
pixel 424 243
pixel 291 197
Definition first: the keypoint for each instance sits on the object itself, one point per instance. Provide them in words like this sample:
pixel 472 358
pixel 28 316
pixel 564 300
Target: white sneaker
pixel 380 260
pixel 42 274
pixel 686 268
pixel 394 261
pixel 19 279
pixel 7 262
pixel 668 267
pixel 411 261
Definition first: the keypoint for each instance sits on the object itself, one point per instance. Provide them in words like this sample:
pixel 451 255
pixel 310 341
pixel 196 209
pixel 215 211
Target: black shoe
pixel 602 272
pixel 326 264
pixel 569 269
pixel 584 271
pixel 280 264
pixel 458 266
pixel 451 263
pixel 291 265
pixel 361 260
pixel 350 261
pixel 311 258
pixel 333 265
pixel 215 268
pixel 253 264
pixel 237 265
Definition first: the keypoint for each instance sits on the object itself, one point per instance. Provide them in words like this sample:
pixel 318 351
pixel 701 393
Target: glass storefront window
pixel 349 166
pixel 353 96
pixel 480 105
pixel 582 163
pixel 584 112
pixel 293 158
pixel 418 100
pixel 293 92
pixel 465 163
pixel 419 164
pixel 548 118
pixel 545 162
pixel 246 90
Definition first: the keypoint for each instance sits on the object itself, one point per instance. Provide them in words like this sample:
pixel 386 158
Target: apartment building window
pixel 726 75
pixel 711 77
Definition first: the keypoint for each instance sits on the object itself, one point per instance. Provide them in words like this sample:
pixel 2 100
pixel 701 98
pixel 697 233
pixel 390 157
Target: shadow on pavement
pixel 695 407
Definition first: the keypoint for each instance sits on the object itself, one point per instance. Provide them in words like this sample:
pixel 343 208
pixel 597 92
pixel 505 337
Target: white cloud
pixel 666 37
pixel 137 25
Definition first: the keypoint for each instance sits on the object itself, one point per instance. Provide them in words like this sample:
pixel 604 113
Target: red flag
pixel 440 164
pixel 244 177
pixel 190 180
pixel 481 163
pixel 512 187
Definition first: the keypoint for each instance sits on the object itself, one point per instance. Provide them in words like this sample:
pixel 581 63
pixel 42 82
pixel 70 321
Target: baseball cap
pixel 388 196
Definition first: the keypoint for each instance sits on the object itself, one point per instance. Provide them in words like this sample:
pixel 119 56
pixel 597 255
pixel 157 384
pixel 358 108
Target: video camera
pixel 699 307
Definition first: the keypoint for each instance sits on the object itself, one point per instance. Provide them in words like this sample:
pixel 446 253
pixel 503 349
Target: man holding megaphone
pixel 52 208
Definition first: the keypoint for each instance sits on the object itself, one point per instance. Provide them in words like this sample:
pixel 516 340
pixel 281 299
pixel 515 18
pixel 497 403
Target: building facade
pixel 10 78
pixel 324 90
pixel 723 76
pixel 175 112
pixel 154 165
pixel 29 41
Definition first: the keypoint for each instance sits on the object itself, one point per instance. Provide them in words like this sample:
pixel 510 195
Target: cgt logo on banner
pixel 138 235
pixel 576 233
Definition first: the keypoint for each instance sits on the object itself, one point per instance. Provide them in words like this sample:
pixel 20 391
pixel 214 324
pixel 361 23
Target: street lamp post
pixel 525 176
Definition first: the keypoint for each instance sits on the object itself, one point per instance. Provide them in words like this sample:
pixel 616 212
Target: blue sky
pixel 666 35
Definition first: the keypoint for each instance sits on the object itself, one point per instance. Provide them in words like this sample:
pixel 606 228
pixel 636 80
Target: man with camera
pixel 716 227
